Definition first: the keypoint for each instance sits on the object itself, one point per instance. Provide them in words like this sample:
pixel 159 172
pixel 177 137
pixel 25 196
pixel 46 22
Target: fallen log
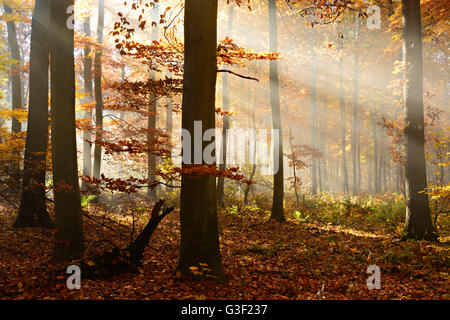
pixel 118 261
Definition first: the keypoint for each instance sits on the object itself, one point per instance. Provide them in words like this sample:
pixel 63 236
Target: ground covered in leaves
pixel 263 260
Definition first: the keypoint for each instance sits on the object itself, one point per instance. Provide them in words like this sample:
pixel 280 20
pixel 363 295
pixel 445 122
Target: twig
pixel 237 74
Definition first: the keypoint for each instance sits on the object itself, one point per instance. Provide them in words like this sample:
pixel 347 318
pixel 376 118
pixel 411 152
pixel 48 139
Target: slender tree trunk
pixel 253 172
pixel 169 124
pixel 68 217
pixel 355 133
pixel 87 77
pixel 294 168
pixel 313 114
pixel 418 217
pixel 375 152
pixel 151 122
pixel 226 120
pixel 33 208
pixel 343 130
pixel 380 159
pixel 98 91
pixel 278 180
pixel 169 129
pixel 16 82
pixel 198 198
pixel 358 157
pixel 122 79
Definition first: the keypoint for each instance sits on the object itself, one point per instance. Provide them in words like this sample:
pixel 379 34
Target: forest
pixel 224 150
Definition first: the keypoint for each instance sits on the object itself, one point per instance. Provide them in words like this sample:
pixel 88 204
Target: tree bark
pixel 418 218
pixel 343 130
pixel 355 133
pixel 151 123
pixel 198 199
pixel 33 208
pixel 68 216
pixel 226 121
pixel 253 172
pixel 98 91
pixel 87 77
pixel 313 100
pixel 278 179
pixel 16 82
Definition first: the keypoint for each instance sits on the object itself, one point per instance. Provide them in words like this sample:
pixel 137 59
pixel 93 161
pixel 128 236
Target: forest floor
pixel 263 260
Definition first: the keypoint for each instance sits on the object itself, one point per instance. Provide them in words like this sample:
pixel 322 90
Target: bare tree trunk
pixel 278 179
pixel 123 76
pixel 375 152
pixel 33 208
pixel 418 217
pixel 98 91
pixel 252 174
pixel 313 102
pixel 198 199
pixel 355 133
pixel 16 82
pixel 226 121
pixel 87 77
pixel 345 189
pixel 151 124
pixel 294 168
pixel 68 217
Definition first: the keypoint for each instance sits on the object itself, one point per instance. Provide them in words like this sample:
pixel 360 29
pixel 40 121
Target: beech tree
pixel 16 82
pixel 418 218
pixel 278 180
pixel 226 121
pixel 88 91
pixel 151 122
pixel 98 91
pixel 198 200
pixel 68 215
pixel 33 208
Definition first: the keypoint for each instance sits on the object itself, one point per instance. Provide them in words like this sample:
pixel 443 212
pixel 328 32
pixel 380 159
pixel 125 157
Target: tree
pixel 16 82
pixel 98 91
pixel 314 120
pixel 343 129
pixel 198 202
pixel 418 218
pixel 151 121
pixel 33 209
pixel 278 181
pixel 226 122
pixel 68 215
pixel 87 78
pixel 355 132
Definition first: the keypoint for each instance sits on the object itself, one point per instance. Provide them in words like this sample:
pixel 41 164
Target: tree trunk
pixel 226 120
pixel 68 216
pixel 294 168
pixel 151 123
pixel 313 115
pixel 122 79
pixel 355 133
pixel 87 77
pixel 98 91
pixel 169 124
pixel 343 130
pixel 278 180
pixel 375 152
pixel 418 218
pixel 198 201
pixel 253 172
pixel 33 208
pixel 16 82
